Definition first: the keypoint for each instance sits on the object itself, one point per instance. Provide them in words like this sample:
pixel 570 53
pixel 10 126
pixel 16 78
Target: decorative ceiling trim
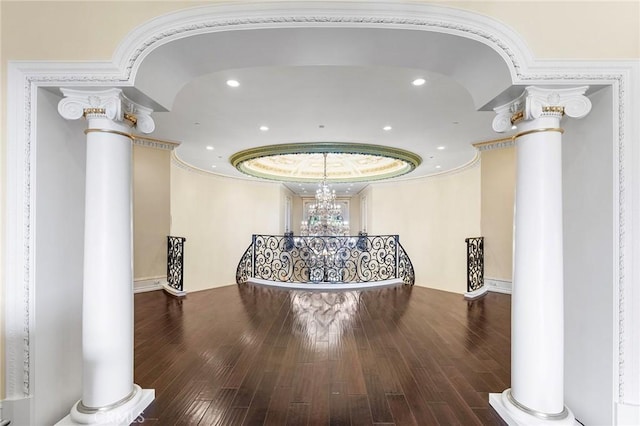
pixel 154 143
pixel 495 144
pixel 409 160
pixel 224 17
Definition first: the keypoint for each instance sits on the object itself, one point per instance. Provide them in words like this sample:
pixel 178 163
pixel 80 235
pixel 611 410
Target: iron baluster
pixel 175 261
pixel 253 255
pixel 397 258
pixel 475 263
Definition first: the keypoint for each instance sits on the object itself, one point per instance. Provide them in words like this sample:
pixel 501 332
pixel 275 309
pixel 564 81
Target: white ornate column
pixel 536 395
pixel 109 394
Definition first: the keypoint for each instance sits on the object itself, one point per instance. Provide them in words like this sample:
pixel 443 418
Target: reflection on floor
pixel 256 355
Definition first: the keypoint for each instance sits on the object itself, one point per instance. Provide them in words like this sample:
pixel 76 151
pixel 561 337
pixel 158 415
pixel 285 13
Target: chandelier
pixel 325 215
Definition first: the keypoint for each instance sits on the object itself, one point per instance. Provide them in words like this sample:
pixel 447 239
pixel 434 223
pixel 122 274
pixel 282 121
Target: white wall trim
pixel 627 414
pixel 497 286
pixel 17 410
pixel 142 285
pixel 19 262
pixel 323 286
pixel 490 285
pixel 476 294
pixel 24 78
pixel 172 291
pixel 495 144
pixel 155 143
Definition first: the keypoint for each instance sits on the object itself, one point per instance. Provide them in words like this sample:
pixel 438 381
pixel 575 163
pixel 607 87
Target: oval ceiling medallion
pixel 346 162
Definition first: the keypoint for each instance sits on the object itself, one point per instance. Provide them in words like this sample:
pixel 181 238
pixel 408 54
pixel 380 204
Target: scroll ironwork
pixel 336 259
pixel 175 261
pixel 475 263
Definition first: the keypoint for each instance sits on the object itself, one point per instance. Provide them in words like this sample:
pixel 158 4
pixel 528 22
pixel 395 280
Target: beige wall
pixel 151 211
pixel 433 216
pixel 498 189
pixel 217 216
pixel 296 216
pixel 354 215
pixel 365 196
pixel 284 194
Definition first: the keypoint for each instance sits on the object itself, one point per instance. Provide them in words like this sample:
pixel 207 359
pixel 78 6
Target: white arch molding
pixel 24 78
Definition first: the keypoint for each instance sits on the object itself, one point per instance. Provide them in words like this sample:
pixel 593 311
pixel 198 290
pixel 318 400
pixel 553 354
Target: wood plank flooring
pixel 249 355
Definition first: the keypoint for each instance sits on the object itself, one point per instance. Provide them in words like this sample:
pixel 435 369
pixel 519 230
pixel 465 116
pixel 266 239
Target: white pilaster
pixel 109 394
pixel 537 311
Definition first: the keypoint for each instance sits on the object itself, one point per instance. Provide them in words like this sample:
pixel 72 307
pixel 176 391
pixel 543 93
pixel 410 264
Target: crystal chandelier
pixel 325 215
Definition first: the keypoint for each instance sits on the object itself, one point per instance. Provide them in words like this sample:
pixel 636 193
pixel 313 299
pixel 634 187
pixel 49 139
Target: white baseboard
pixel 627 414
pixel 471 295
pixel 497 286
pixel 148 284
pixel 490 284
pixel 325 285
pixel 172 291
pixel 17 410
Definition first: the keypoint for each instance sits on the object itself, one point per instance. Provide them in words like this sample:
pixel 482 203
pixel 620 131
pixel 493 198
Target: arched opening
pixel 130 72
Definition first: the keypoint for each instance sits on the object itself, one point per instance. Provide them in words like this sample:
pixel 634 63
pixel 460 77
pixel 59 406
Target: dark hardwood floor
pixel 262 356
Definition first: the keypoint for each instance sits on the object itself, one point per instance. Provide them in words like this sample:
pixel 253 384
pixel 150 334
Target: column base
pixel 515 416
pixel 122 415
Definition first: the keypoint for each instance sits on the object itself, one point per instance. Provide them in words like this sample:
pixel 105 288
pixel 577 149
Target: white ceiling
pixel 323 95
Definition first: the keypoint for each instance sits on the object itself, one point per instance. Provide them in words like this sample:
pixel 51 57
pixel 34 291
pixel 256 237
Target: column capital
pixel 111 104
pixel 536 102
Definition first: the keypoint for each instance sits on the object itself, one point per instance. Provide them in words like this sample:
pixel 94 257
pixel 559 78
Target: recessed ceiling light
pixel 387 128
pixel 437 167
pixel 440 148
pixel 233 83
pixel 418 81
pixel 213 166
pixel 210 148
pixel 514 127
pixel 264 128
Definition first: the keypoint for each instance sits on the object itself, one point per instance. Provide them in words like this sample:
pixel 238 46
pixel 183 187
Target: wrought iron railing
pixel 475 263
pixel 362 258
pixel 175 261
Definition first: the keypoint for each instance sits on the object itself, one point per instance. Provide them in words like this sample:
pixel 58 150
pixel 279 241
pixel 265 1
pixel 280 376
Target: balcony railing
pixel 327 259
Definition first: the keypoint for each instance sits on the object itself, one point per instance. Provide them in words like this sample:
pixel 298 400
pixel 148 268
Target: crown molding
pixel 495 144
pixel 150 142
